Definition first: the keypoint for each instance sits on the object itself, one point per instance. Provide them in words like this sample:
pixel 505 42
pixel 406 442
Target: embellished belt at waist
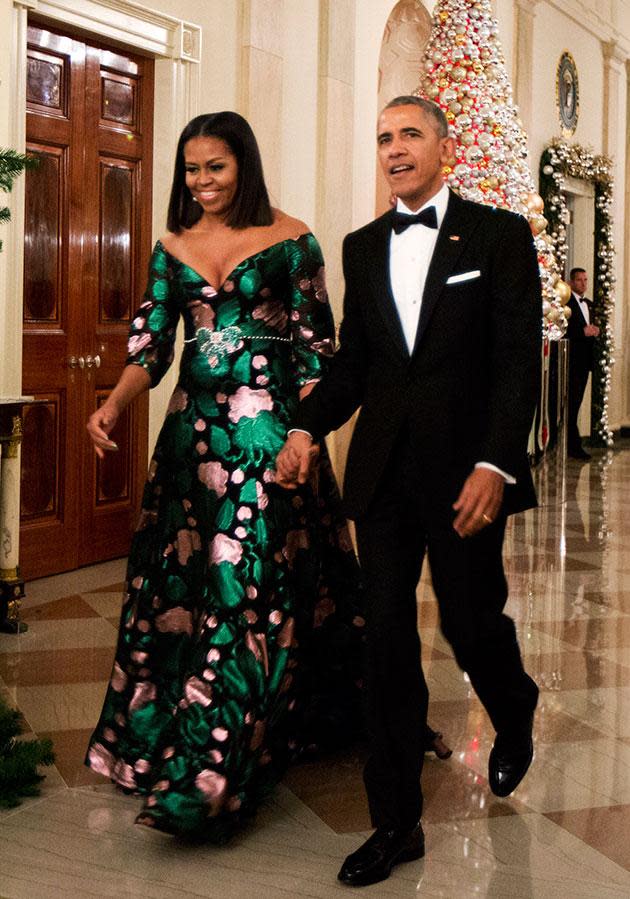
pixel 227 340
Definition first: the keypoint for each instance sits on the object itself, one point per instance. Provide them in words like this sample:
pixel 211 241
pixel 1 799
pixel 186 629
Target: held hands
pixel 591 331
pixel 296 460
pixel 479 502
pixel 100 424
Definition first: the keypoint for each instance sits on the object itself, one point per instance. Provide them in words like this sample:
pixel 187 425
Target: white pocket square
pixel 465 276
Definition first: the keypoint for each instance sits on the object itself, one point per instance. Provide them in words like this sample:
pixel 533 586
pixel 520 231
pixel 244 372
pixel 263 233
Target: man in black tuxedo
pixel 581 334
pixel 440 346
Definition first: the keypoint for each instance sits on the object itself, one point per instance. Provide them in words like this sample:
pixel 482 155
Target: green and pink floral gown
pixel 241 628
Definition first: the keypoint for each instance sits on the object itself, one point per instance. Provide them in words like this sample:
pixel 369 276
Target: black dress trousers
pixel 399 527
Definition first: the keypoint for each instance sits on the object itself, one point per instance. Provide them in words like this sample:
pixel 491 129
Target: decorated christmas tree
pixel 465 74
pixel 19 759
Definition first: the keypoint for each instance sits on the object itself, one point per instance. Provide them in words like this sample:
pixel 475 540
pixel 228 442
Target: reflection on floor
pixel 566 833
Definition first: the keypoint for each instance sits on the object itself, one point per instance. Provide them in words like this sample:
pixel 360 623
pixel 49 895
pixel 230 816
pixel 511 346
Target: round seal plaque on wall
pixel 567 94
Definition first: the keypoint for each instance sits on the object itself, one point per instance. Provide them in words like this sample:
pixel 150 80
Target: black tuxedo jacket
pixel 468 391
pixel 582 347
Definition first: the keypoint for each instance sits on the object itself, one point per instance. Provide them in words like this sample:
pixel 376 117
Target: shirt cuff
pixel 299 431
pixel 508 478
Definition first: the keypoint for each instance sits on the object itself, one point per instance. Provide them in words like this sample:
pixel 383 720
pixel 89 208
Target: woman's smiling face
pixel 211 174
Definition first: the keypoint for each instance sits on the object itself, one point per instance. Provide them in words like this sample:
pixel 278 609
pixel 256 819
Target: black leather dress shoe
pixel 374 861
pixel 509 760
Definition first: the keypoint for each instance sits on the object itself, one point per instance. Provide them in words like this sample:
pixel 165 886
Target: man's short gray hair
pixel 432 109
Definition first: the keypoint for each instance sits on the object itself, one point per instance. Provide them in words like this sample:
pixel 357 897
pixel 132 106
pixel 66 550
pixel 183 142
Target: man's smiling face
pixel 412 153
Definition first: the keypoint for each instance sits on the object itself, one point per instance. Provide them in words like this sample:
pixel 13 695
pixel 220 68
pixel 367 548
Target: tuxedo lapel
pixel 380 280
pixel 454 234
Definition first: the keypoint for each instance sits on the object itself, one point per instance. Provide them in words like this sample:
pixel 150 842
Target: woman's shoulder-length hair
pixel 251 201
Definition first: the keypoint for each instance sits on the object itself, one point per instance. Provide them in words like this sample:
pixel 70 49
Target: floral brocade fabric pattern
pixel 241 628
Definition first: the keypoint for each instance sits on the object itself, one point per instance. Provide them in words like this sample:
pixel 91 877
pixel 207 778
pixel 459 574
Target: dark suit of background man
pixel 440 346
pixel 581 335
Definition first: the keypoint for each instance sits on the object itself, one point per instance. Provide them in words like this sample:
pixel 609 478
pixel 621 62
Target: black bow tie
pixel 402 220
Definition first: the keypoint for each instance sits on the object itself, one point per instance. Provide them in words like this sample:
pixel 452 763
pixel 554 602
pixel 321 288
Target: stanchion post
pixel 11 584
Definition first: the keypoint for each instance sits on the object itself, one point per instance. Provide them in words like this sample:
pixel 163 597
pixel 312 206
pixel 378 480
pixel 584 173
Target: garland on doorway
pixel 19 759
pixel 12 164
pixel 559 161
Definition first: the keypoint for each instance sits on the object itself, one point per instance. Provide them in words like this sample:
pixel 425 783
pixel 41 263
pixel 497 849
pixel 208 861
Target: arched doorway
pixel 402 52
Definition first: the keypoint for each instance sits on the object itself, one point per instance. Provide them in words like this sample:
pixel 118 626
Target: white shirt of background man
pixel 584 308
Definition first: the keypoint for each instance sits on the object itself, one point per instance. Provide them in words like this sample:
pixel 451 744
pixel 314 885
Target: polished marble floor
pixel 565 834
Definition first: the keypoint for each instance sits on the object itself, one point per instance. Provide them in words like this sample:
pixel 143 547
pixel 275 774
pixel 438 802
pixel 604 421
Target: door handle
pixel 76 362
pixel 93 361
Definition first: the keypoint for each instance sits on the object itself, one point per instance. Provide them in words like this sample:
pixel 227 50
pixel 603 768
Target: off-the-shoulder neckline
pixel 251 256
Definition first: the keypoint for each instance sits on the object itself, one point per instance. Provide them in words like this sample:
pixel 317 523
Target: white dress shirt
pixel 583 307
pixel 409 257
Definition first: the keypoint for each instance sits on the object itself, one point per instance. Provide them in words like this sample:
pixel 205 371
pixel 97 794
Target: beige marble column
pixel 613 145
pixel 335 149
pixel 300 92
pixel 261 82
pixel 525 11
pixel 13 22
pixel 624 286
pixel 335 132
pixel 613 58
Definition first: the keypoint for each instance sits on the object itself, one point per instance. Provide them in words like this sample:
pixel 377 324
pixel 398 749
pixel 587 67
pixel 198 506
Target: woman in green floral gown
pixel 241 627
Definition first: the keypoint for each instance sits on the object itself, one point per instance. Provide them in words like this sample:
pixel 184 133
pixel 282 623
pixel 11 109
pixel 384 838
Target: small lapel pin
pixel 453 237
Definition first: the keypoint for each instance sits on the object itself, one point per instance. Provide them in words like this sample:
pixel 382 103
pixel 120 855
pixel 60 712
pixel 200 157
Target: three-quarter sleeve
pixel 151 342
pixel 312 327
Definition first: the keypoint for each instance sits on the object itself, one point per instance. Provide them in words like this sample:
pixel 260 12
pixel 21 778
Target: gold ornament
pixel 450 115
pixel 447 169
pixel 538 223
pixel 568 312
pixel 534 202
pixel 433 91
pixel 444 16
pixel 563 291
pixel 460 39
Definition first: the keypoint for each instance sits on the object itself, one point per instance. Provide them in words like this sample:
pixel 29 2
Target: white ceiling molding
pixel 584 15
pixel 125 22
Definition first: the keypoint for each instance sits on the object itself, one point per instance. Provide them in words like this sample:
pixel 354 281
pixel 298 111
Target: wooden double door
pixel 87 242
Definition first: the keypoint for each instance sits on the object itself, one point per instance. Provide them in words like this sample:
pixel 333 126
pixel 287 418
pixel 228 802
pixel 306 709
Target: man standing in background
pixel 581 334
